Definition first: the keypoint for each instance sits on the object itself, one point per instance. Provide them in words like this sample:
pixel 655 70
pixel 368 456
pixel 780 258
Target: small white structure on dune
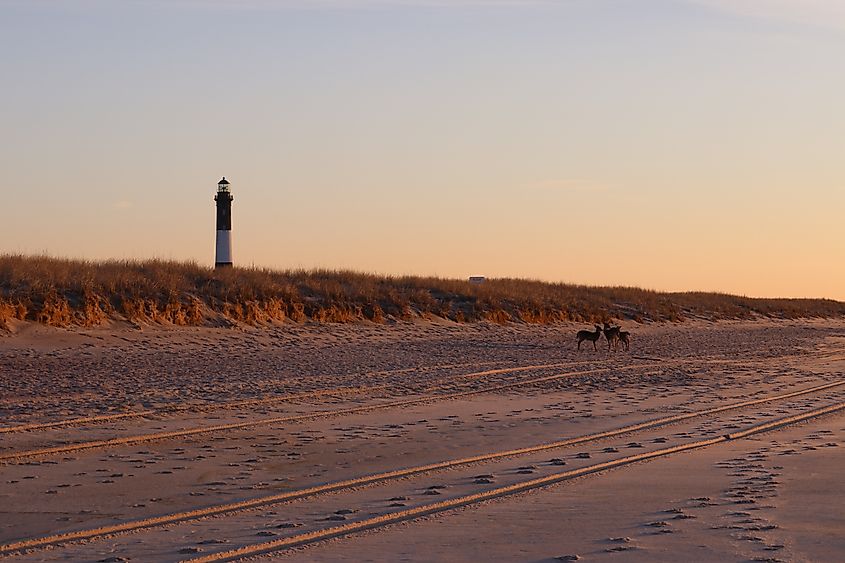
pixel 477 279
pixel 223 250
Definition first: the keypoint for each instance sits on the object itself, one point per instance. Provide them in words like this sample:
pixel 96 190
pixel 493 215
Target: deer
pixel 611 333
pixel 625 339
pixel 591 336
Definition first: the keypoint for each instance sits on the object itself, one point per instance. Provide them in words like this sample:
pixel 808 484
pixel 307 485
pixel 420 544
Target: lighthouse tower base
pixel 224 250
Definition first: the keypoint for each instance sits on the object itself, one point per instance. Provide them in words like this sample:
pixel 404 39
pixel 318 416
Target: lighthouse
pixel 223 254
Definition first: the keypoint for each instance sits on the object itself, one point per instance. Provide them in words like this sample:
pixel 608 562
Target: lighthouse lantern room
pixel 223 254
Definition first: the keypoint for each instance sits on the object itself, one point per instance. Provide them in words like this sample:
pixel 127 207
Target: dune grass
pixel 64 292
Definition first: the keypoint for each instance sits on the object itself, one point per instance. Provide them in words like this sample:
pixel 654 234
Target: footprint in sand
pixel 620 548
pixel 683 516
pixel 285 525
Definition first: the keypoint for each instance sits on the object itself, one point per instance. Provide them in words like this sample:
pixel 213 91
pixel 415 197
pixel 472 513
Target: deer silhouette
pixel 611 333
pixel 591 336
pixel 625 339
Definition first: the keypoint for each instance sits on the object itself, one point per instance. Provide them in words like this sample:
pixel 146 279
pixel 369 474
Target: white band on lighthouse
pixel 224 248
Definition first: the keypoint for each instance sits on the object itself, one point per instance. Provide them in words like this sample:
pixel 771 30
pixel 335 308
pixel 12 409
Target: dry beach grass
pixel 63 292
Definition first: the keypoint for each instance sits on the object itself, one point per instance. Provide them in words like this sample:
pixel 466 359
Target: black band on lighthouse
pixel 224 211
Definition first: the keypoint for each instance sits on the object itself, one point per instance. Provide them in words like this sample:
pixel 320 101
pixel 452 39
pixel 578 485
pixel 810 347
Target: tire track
pixel 74 421
pixel 156 436
pixel 356 390
pixel 287 398
pixel 189 408
pixel 433 508
pixel 228 508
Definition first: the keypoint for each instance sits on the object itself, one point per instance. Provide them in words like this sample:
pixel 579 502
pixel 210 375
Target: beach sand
pixel 316 443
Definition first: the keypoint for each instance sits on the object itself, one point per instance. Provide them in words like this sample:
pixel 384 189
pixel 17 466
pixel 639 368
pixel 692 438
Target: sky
pixel 668 144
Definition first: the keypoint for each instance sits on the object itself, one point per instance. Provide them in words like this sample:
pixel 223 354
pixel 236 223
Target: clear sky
pixel 669 144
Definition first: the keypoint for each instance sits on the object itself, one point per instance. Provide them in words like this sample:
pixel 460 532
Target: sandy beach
pixel 426 441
